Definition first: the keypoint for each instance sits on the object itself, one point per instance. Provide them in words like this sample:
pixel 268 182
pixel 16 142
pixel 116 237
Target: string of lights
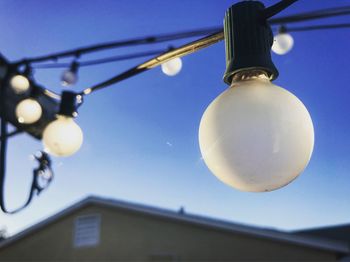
pixel 48 116
pixel 112 45
pixel 118 58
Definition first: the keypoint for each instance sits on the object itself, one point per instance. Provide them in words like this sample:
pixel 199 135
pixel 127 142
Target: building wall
pixel 130 236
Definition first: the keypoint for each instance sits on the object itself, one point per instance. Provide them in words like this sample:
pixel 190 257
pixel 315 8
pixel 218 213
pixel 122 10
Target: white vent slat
pixel 87 230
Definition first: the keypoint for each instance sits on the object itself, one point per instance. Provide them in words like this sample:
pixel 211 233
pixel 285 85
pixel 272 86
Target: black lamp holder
pixel 248 40
pixel 68 105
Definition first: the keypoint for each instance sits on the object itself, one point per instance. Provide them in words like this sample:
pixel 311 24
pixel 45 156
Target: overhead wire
pixel 177 52
pixel 117 44
pixel 105 60
pixel 190 48
pixel 318 14
pixel 317 27
pixel 209 40
pixel 118 58
pixel 322 13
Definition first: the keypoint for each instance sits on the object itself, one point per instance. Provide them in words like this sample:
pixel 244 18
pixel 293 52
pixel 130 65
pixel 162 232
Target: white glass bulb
pixel 62 137
pixel 172 67
pixel 256 136
pixel 69 78
pixel 20 84
pixel 28 111
pixel 283 43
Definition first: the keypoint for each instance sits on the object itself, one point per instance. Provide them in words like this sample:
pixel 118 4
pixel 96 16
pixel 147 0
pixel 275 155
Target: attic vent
pixel 87 231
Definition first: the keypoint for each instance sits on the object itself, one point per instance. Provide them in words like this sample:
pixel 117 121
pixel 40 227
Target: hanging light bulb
pixel 172 67
pixel 20 84
pixel 28 111
pixel 283 42
pixel 63 137
pixel 70 76
pixel 255 136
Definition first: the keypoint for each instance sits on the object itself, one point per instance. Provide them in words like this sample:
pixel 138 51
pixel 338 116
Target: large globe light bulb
pixel 28 111
pixel 256 136
pixel 282 44
pixel 172 67
pixel 20 84
pixel 62 137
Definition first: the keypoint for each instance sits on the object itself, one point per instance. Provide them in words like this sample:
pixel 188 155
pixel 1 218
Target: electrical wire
pixel 323 13
pixel 155 52
pixel 101 60
pixel 199 44
pixel 277 8
pixel 118 58
pixel 178 52
pixel 13 133
pixel 44 161
pixel 44 165
pixel 317 27
pixel 117 44
pixel 184 50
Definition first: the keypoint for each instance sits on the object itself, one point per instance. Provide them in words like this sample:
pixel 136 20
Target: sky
pixel 141 135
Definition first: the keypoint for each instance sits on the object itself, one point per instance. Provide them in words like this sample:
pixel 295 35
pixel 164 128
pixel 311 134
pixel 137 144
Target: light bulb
pixel 69 78
pixel 283 43
pixel 44 177
pixel 20 84
pixel 172 67
pixel 28 111
pixel 256 136
pixel 62 137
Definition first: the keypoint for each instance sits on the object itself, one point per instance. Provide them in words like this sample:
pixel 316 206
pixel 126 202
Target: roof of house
pixel 337 232
pixel 183 217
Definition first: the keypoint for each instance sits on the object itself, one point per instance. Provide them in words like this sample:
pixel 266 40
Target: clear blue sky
pixel 128 128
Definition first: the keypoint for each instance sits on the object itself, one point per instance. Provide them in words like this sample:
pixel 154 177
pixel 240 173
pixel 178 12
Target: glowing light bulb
pixel 283 43
pixel 172 67
pixel 28 111
pixel 256 136
pixel 20 84
pixel 62 137
pixel 69 78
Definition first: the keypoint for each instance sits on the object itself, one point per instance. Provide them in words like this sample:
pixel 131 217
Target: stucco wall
pixel 131 236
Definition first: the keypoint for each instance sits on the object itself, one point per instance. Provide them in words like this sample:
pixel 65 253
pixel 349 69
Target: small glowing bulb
pixel 69 78
pixel 62 137
pixel 256 136
pixel 283 43
pixel 172 67
pixel 28 111
pixel 20 84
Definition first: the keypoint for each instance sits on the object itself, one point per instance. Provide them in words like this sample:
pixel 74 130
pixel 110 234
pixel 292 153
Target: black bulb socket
pixel 68 105
pixel 248 40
